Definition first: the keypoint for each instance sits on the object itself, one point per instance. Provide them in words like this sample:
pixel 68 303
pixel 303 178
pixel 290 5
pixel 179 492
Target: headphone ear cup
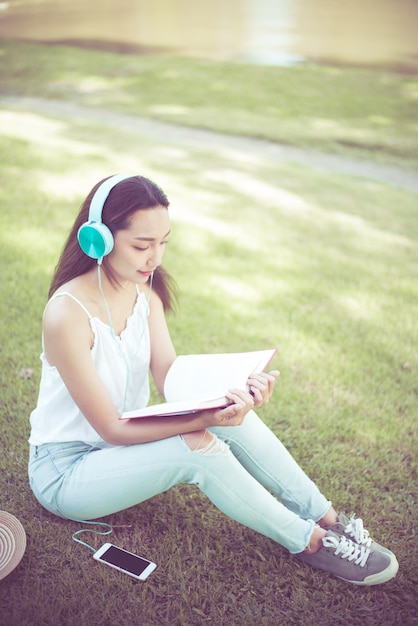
pixel 95 239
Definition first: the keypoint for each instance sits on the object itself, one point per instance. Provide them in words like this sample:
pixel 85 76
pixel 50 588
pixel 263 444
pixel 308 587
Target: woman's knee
pixel 205 443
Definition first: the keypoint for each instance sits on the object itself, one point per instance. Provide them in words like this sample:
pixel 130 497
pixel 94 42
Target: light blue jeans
pixel 251 477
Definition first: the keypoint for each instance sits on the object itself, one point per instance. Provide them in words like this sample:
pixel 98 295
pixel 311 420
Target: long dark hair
pixel 125 198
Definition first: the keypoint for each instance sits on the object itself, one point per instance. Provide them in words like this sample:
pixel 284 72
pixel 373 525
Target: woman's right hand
pixel 232 415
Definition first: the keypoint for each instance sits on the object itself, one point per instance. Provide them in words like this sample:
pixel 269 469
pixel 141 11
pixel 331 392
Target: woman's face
pixel 138 250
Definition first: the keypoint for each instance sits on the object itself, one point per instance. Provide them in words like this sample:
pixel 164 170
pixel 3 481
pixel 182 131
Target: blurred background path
pixel 208 140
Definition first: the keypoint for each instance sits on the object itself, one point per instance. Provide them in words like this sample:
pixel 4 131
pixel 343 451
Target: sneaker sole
pixel 377 579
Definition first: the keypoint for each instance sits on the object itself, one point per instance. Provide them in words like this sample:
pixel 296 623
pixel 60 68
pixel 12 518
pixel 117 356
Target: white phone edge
pixel 143 576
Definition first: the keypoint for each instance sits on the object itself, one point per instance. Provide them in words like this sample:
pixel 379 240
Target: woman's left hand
pixel 262 386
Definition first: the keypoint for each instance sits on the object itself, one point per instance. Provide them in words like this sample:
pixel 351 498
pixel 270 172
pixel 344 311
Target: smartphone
pixel 125 561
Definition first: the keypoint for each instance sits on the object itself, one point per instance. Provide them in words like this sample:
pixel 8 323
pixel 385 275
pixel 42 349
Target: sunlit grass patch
pixel 346 110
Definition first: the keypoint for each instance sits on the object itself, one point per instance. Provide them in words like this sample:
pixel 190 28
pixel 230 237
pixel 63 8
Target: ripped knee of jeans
pixel 205 443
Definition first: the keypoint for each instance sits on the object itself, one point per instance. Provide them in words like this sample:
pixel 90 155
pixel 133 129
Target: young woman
pixel 104 328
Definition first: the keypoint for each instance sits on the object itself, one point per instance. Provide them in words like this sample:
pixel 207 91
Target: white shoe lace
pixel 356 529
pixel 347 549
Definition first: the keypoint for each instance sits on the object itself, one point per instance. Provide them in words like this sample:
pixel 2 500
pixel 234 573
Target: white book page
pixel 196 376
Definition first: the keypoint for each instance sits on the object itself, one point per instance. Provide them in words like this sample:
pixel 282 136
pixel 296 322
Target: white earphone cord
pixel 112 332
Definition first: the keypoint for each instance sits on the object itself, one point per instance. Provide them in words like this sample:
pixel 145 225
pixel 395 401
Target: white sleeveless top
pixel 122 363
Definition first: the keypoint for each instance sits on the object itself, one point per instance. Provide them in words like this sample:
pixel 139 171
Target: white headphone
pixel 94 237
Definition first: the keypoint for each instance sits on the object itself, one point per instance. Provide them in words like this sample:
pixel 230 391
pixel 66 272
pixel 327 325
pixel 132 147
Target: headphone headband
pixel 94 237
pixel 101 195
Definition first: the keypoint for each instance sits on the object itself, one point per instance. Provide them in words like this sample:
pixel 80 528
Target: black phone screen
pixel 125 560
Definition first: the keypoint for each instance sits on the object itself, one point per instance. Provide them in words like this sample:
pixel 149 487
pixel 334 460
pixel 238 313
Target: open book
pixel 199 381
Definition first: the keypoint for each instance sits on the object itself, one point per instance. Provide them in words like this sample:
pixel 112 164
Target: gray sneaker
pixel 353 529
pixel 351 562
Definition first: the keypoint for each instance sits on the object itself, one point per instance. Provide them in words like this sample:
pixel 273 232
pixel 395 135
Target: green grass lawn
pixel 323 266
pixel 348 111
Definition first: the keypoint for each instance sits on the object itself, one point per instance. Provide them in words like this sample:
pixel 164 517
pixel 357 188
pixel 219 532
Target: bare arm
pixel 163 353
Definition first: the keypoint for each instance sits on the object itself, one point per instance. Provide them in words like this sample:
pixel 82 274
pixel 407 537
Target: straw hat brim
pixel 12 543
